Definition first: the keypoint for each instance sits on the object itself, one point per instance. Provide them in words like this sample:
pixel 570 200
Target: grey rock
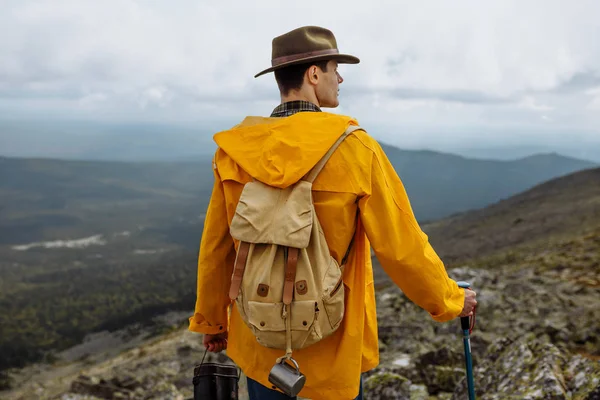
pixel 441 378
pixel 419 392
pixel 99 388
pixel 443 356
pixel 387 386
pixel 583 378
pixel 530 369
pixel 410 372
pixel 164 391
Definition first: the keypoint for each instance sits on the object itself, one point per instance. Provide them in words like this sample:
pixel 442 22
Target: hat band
pixel 284 59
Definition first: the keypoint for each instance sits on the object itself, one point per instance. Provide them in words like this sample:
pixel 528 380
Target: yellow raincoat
pixel 358 192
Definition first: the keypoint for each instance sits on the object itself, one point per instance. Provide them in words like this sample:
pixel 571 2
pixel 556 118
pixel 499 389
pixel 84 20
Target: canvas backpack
pixel 286 285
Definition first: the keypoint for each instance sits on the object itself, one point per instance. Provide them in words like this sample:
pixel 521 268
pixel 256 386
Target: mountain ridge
pixel 56 187
pixel 385 145
pixel 558 207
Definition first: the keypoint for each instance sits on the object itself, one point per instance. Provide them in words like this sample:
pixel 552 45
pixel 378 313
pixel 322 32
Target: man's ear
pixel 313 76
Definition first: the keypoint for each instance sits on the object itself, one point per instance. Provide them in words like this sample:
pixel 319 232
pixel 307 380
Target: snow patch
pixel 96 240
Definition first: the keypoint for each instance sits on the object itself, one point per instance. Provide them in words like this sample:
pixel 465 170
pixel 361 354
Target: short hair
pixel 292 77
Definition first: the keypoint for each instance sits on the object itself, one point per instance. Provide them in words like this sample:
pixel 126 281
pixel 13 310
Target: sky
pixel 442 75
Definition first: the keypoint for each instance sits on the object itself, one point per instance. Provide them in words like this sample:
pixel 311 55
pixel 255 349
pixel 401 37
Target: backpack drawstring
pixel 286 315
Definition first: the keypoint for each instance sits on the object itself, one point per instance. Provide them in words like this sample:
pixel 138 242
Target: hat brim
pixel 340 58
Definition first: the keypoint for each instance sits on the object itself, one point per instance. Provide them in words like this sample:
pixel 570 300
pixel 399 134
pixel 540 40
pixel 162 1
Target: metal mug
pixel 287 378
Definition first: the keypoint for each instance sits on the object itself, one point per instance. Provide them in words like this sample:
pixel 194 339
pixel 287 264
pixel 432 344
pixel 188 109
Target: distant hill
pixel 42 199
pixel 562 207
pixel 440 184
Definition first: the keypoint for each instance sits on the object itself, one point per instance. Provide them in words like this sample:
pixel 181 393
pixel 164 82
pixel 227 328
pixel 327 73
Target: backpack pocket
pixel 334 304
pixel 268 325
pixel 333 296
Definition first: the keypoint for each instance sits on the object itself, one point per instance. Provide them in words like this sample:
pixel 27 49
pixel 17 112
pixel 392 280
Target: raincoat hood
pixel 280 151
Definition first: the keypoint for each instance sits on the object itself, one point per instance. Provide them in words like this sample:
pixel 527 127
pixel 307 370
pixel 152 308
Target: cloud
pixel 528 102
pixel 462 64
pixel 452 96
pixel 579 82
pixel 92 99
pixel 159 96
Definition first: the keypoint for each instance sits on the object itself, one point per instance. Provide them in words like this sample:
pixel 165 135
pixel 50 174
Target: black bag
pixel 215 381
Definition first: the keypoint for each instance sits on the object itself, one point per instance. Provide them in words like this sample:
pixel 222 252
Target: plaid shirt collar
pixel 292 107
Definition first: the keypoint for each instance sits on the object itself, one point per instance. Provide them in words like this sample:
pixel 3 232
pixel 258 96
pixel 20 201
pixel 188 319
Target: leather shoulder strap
pixel 312 175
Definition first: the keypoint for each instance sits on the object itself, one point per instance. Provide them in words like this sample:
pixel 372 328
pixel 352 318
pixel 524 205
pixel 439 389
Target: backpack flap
pixel 272 215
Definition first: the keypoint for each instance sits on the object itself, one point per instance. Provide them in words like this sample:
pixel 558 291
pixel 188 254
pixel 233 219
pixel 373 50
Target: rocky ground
pixel 158 369
pixel 537 332
pixel 537 336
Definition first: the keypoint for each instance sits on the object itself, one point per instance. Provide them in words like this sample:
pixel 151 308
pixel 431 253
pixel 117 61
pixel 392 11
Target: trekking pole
pixel 467 328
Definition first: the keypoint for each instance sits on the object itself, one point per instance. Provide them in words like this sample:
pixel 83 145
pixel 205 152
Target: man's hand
pixel 215 343
pixel 470 303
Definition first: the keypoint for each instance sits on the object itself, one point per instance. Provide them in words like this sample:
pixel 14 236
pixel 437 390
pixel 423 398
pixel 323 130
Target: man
pixel 360 202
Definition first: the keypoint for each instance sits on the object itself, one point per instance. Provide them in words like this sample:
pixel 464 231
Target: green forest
pixel 54 308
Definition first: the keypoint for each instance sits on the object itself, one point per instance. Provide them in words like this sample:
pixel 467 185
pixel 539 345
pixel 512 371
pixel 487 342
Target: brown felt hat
pixel 305 44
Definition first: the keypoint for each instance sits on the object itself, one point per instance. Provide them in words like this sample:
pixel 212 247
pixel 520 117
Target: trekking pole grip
pixel 465 322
